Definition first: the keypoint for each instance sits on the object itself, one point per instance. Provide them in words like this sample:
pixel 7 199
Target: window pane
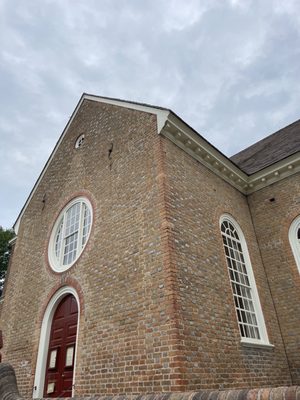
pixel 70 248
pixel 72 219
pixel 70 234
pixel 239 282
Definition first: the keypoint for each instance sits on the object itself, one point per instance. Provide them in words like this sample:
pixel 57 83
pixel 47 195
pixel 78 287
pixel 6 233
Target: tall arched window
pixel 247 305
pixel 294 237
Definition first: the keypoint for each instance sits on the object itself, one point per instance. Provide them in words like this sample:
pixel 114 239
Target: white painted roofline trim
pixel 197 147
pixel 176 130
pixel 161 114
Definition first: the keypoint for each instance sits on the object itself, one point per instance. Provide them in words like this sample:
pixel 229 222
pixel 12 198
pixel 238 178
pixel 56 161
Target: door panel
pixel 61 352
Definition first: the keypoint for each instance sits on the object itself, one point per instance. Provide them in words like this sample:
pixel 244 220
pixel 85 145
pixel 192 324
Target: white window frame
pixel 79 141
pixel 264 340
pixel 55 263
pixel 294 241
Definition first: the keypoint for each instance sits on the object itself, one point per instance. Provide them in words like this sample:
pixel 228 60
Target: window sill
pixel 267 346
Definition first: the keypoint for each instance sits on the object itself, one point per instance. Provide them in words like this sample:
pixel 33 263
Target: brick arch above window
pixel 294 238
pixel 245 295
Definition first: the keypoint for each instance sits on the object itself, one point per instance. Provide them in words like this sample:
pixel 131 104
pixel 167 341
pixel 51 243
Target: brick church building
pixel 148 261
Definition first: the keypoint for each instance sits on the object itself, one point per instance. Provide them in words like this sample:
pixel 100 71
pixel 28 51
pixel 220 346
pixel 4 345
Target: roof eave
pixel 200 149
pixel 161 113
pixel 175 129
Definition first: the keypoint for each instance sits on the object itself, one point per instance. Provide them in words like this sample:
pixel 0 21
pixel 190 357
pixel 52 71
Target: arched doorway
pixel 61 351
pixel 56 358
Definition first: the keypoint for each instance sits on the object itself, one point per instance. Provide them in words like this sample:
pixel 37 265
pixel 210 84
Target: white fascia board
pixel 161 114
pixel 175 129
pixel 274 173
pixel 196 146
pixel 17 223
pixel 210 149
pixel 200 149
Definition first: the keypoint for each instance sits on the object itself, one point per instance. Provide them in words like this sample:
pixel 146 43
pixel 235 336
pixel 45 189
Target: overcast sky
pixel 229 68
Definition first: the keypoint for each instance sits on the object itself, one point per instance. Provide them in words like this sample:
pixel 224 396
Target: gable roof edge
pixel 160 112
pixel 184 136
pixel 190 141
pixel 200 149
pixel 17 222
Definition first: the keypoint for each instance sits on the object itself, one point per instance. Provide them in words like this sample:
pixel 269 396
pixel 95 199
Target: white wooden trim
pixel 294 242
pixel 12 241
pixel 259 345
pixel 39 380
pixel 201 150
pixel 180 133
pixel 161 114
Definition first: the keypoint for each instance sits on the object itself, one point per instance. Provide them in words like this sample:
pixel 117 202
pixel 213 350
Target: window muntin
pixel 294 237
pixel 70 234
pixel 248 310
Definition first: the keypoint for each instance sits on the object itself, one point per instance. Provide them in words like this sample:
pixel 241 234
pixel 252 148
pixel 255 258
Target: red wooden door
pixel 61 353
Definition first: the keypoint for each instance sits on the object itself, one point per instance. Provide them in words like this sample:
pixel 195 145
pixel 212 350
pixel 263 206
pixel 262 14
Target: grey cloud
pixel 229 68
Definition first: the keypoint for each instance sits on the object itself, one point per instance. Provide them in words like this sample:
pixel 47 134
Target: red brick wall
pixel 213 355
pixel 157 311
pixel 126 335
pixel 272 221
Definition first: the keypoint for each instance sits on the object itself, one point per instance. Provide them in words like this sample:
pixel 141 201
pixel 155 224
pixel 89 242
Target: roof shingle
pixel 270 150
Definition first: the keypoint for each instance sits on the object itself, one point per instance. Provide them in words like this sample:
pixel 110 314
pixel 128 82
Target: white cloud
pixel 229 68
pixel 181 15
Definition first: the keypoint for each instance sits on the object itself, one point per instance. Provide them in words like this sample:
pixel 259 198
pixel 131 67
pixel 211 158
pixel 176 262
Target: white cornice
pixel 274 173
pixel 193 144
pixel 172 127
pixel 197 147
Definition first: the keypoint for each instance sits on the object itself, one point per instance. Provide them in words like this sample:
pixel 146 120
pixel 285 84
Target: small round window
pixel 79 141
pixel 70 234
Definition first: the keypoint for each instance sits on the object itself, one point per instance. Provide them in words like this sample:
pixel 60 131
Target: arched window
pixel 294 237
pixel 247 305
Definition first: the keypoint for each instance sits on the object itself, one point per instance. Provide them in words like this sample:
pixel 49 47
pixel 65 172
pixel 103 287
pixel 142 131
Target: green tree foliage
pixel 5 236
